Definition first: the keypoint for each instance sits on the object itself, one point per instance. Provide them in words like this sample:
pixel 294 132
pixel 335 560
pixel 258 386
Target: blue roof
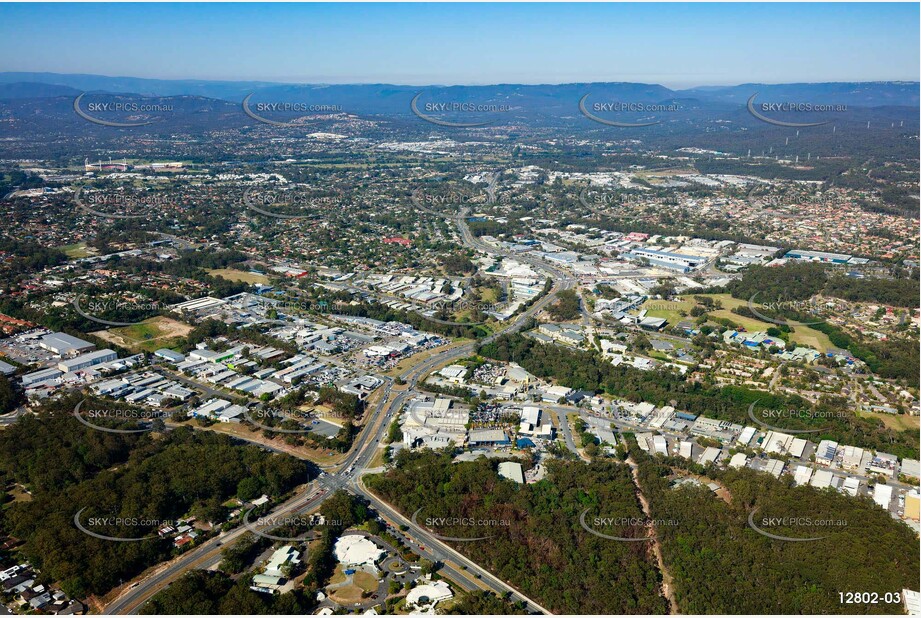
pixel 524 443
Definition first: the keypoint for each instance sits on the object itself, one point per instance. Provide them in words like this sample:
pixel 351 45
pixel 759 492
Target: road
pixel 346 474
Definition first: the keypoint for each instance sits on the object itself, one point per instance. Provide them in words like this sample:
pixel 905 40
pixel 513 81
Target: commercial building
pixel 488 437
pixel 7 369
pixel 170 355
pixel 666 259
pixel 63 344
pixel 882 495
pixel 512 471
pixel 87 360
pixel 818 256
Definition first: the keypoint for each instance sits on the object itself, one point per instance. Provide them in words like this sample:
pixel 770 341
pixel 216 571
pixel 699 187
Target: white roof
pixel 738 460
pixel 512 471
pixel 882 495
pixel 822 479
pixel 774 466
pixel 428 594
pixel 802 475
pixel 353 549
pixel 711 454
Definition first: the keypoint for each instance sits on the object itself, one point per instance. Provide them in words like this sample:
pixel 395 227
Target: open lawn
pixel 149 335
pixel 78 250
pixel 726 300
pixel 750 324
pixel 347 595
pixel 238 275
pixel 670 310
pixel 897 422
pixel 338 575
pixel 803 335
pixel 365 581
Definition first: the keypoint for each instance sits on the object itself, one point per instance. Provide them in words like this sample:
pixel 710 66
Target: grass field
pixel 726 300
pixel 149 335
pixel 897 422
pixel 804 335
pixel 670 310
pixel 78 250
pixel 750 324
pixel 347 595
pixel 365 581
pixel 338 575
pixel 238 275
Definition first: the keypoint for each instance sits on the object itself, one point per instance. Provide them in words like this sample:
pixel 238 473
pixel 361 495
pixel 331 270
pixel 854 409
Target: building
pixel 87 360
pixel 426 595
pixel 817 256
pixel 356 550
pixel 666 259
pixel 280 558
pixel 512 471
pixel 882 495
pixel 774 467
pixel 170 355
pixel 825 453
pixel 738 460
pixel 913 505
pixel 488 437
pixel 43 375
pixel 64 345
pixel 802 475
pixel 710 455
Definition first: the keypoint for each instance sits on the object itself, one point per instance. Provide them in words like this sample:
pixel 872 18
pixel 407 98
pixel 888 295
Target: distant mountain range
pixel 388 98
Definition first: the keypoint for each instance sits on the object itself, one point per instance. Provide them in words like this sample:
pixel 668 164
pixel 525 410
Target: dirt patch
pixel 365 581
pixel 147 335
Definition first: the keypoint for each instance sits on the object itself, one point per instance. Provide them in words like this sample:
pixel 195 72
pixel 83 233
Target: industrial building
pixel 87 360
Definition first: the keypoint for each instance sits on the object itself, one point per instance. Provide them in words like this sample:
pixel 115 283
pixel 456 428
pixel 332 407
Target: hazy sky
pixel 677 45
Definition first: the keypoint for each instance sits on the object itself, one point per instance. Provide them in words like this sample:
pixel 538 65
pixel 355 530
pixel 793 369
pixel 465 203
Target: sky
pixel 676 45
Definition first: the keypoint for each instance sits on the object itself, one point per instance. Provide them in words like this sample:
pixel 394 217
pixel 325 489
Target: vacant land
pixel 149 335
pixel 78 250
pixel 238 275
pixel 897 422
pixel 670 310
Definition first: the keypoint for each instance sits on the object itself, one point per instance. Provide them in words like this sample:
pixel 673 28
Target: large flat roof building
pixel 63 344
pixel 87 360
